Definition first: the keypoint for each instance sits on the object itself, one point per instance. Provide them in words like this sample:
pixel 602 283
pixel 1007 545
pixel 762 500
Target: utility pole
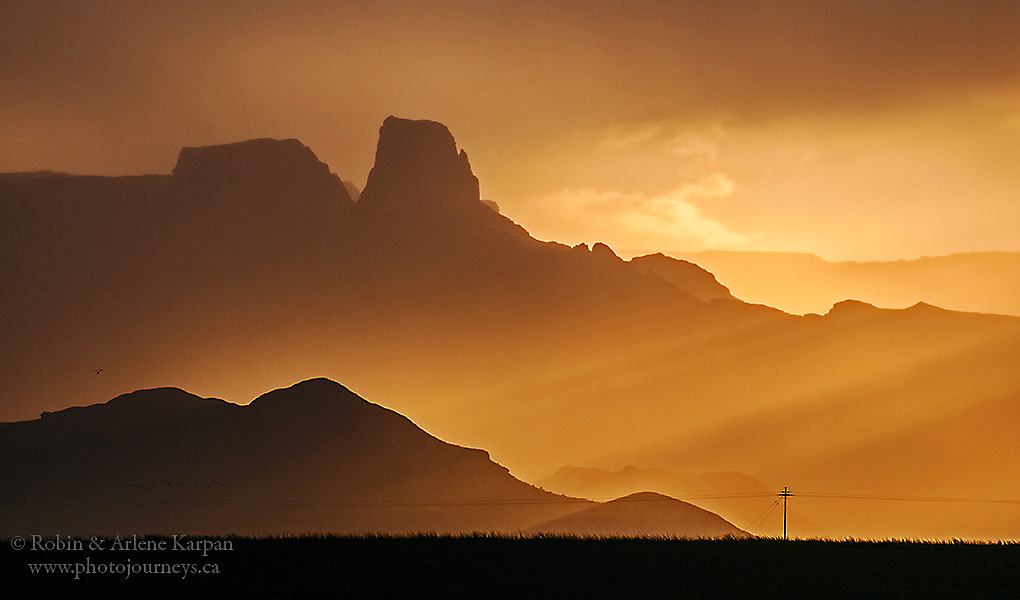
pixel 785 494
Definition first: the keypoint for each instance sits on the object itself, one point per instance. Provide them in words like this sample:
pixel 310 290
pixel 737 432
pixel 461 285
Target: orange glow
pixel 833 130
pixel 872 134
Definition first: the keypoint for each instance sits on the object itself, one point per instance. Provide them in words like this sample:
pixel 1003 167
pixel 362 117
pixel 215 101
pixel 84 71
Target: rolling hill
pixel 310 458
pixel 631 515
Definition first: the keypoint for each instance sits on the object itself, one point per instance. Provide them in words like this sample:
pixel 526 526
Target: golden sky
pixel 853 130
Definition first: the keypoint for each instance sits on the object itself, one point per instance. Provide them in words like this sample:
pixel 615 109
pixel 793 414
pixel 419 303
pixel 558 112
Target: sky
pixel 852 130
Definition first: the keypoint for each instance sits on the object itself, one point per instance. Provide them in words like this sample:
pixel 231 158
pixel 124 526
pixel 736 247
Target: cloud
pixel 716 185
pixel 637 222
pixel 618 136
pixel 698 151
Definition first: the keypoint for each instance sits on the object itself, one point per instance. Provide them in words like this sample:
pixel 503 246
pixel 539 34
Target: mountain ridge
pixel 541 353
pixel 964 281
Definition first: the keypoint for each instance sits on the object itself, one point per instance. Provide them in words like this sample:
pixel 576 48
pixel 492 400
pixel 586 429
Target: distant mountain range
pixel 252 266
pixel 310 458
pixel 985 282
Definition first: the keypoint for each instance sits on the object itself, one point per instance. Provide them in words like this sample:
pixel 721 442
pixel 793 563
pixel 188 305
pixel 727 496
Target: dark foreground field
pixel 504 567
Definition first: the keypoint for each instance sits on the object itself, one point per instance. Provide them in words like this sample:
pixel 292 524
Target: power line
pixel 909 498
pixel 760 519
pixel 785 494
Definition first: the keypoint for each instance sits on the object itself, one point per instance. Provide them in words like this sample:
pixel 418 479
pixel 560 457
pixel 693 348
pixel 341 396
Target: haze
pixel 652 126
pixel 241 264
pixel 251 265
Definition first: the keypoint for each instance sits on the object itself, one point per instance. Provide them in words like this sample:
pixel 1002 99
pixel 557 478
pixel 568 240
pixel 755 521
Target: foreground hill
pixel 738 496
pixel 251 266
pixel 314 457
pixel 631 515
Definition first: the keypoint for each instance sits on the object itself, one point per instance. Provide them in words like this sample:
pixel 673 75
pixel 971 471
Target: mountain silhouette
pixel 687 276
pixel 631 516
pixel 313 457
pixel 262 165
pixel 419 171
pixel 421 230
pixel 422 197
pixel 804 283
pixel 251 266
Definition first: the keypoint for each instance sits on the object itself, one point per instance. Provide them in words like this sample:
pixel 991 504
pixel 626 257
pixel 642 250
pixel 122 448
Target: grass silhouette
pixel 541 566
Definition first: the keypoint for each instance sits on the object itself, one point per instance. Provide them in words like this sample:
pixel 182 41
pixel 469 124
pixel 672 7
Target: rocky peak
pixel 418 168
pixel 604 252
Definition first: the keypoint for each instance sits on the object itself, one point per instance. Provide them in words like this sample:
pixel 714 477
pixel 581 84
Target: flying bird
pixel 97 371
